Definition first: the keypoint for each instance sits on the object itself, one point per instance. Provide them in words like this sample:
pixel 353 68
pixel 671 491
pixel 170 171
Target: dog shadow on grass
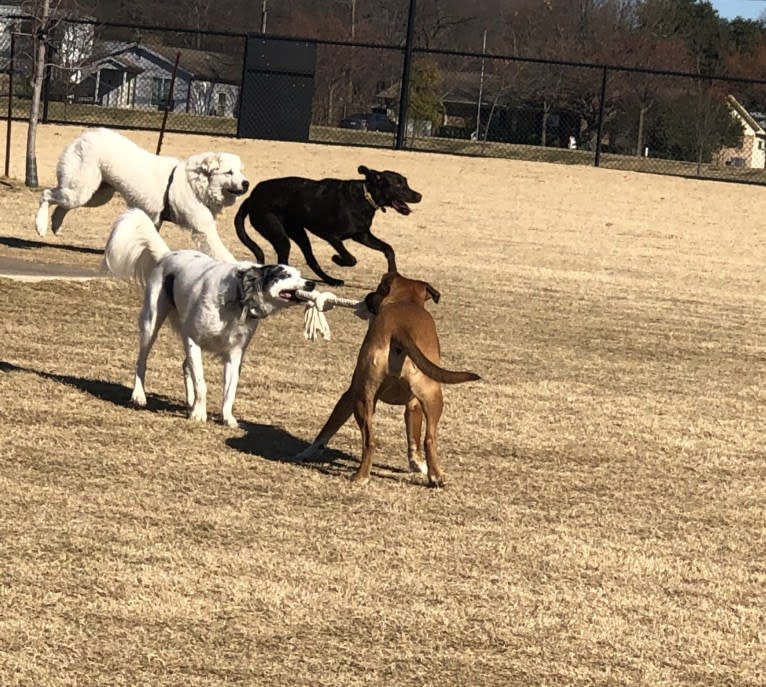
pixel 27 244
pixel 276 444
pixel 268 442
pixel 111 392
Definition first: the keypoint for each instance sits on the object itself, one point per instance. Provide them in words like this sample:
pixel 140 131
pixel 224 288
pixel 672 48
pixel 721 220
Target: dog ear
pixel 250 282
pixel 374 299
pixel 431 292
pixel 372 302
pixel 198 166
pixel 370 174
pixel 211 164
pixel 205 164
pixel 240 276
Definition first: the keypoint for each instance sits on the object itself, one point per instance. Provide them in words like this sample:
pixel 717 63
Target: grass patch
pixel 603 520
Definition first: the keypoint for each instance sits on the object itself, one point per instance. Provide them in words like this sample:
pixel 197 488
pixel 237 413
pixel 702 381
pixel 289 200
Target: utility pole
pixel 481 87
pixel 404 96
pixel 264 14
pixel 350 93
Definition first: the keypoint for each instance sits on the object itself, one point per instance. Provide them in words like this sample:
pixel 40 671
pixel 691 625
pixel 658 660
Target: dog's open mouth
pixel 289 295
pixel 401 207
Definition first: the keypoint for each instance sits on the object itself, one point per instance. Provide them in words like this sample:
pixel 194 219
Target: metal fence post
pixel 600 127
pixel 404 96
pixel 168 100
pixel 245 49
pixel 10 106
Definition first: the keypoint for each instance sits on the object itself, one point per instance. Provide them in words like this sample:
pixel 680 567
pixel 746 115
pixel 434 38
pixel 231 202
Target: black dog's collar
pixel 368 197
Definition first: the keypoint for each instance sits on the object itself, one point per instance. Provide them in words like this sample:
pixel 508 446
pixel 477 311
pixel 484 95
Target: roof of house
pixel 123 63
pixel 204 65
pixel 746 116
pixel 196 64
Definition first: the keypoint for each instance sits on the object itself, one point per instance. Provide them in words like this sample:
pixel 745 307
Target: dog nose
pixel 245 185
pixel 309 285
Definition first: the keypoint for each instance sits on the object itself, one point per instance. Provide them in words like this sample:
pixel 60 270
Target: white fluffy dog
pixel 214 306
pixel 188 192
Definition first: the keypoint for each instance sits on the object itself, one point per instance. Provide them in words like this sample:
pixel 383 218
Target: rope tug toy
pixel 317 303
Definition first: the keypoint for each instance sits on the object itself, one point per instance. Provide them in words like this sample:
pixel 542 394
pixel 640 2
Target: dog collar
pixel 368 197
pixel 249 313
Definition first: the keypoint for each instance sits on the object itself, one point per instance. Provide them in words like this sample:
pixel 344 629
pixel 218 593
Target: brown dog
pixel 398 363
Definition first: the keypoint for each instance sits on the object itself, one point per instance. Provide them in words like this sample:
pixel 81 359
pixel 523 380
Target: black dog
pixel 333 209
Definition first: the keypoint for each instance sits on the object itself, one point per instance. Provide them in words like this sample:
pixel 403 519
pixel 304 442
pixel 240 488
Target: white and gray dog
pixel 215 306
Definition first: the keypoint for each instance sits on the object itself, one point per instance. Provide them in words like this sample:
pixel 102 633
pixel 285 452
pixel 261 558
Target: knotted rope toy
pixel 317 303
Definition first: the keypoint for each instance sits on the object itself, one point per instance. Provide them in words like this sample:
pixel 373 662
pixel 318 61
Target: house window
pixel 160 90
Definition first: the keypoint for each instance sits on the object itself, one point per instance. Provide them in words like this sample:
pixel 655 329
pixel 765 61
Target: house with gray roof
pixel 138 76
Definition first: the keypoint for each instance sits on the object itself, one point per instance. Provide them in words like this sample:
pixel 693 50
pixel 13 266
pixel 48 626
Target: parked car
pixel 376 120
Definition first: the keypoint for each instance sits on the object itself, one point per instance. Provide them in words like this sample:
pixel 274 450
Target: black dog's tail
pixel 239 225
pixel 431 369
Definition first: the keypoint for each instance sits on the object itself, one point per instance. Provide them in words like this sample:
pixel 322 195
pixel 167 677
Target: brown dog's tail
pixel 431 369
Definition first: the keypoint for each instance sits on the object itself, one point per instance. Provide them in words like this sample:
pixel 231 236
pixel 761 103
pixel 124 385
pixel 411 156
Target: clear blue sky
pixel 747 9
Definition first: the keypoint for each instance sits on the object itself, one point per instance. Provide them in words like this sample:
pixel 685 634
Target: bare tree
pixel 40 29
pixel 438 18
pixel 46 17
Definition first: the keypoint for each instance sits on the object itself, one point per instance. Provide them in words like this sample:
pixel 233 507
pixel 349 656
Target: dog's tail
pixel 239 225
pixel 431 369
pixel 134 247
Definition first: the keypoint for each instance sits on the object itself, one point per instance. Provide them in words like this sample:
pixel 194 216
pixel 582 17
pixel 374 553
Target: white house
pixel 8 18
pixel 73 40
pixel 751 152
pixel 138 76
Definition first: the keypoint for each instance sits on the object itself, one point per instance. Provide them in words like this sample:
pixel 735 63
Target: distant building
pixel 8 19
pixel 138 76
pixel 72 42
pixel 751 152
pixel 492 107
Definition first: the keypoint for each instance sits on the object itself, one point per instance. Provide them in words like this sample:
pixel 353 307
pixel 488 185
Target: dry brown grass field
pixel 604 521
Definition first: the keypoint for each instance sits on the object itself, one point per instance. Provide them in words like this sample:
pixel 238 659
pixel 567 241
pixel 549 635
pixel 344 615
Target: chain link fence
pixel 460 103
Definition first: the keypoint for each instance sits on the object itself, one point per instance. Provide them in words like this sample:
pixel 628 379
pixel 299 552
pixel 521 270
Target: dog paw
pixel 231 422
pixel 198 415
pixel 41 220
pixel 437 481
pixel 344 262
pixel 306 454
pixel 418 466
pixel 312 453
pixel 360 480
pixel 138 399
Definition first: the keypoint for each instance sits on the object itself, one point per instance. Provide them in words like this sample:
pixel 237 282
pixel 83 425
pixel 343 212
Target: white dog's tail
pixel 134 247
